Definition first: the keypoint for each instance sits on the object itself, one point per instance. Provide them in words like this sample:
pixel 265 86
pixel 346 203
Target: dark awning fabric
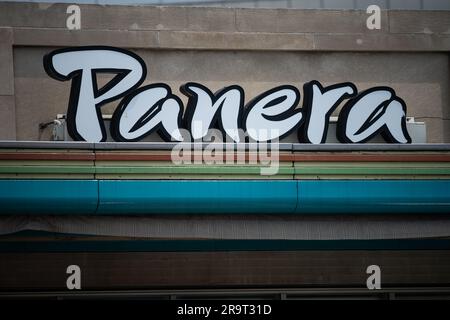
pixel 328 227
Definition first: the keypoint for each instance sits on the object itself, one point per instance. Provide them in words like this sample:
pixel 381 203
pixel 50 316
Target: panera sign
pixel 154 107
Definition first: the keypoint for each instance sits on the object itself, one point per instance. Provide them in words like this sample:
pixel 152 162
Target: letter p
pixel 81 64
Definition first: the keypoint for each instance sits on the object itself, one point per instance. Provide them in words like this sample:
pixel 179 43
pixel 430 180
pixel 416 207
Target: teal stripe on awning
pixel 373 196
pixel 220 245
pixel 48 196
pixel 224 196
pixel 188 196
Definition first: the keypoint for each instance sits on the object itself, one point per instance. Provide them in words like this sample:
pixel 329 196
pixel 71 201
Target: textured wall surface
pixel 254 48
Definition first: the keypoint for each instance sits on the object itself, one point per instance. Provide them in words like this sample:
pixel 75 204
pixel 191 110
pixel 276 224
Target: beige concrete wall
pixel 255 48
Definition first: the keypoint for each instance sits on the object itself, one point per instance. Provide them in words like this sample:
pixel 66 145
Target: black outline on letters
pixel 76 83
pixel 383 130
pixel 307 106
pixel 282 116
pixel 162 132
pixel 216 121
pixel 119 75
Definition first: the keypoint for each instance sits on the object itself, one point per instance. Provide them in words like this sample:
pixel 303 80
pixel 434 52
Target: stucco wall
pixel 255 48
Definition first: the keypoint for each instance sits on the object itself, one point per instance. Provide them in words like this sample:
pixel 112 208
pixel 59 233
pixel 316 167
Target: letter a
pixel 374 20
pixel 374 280
pixel 73 21
pixel 74 280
